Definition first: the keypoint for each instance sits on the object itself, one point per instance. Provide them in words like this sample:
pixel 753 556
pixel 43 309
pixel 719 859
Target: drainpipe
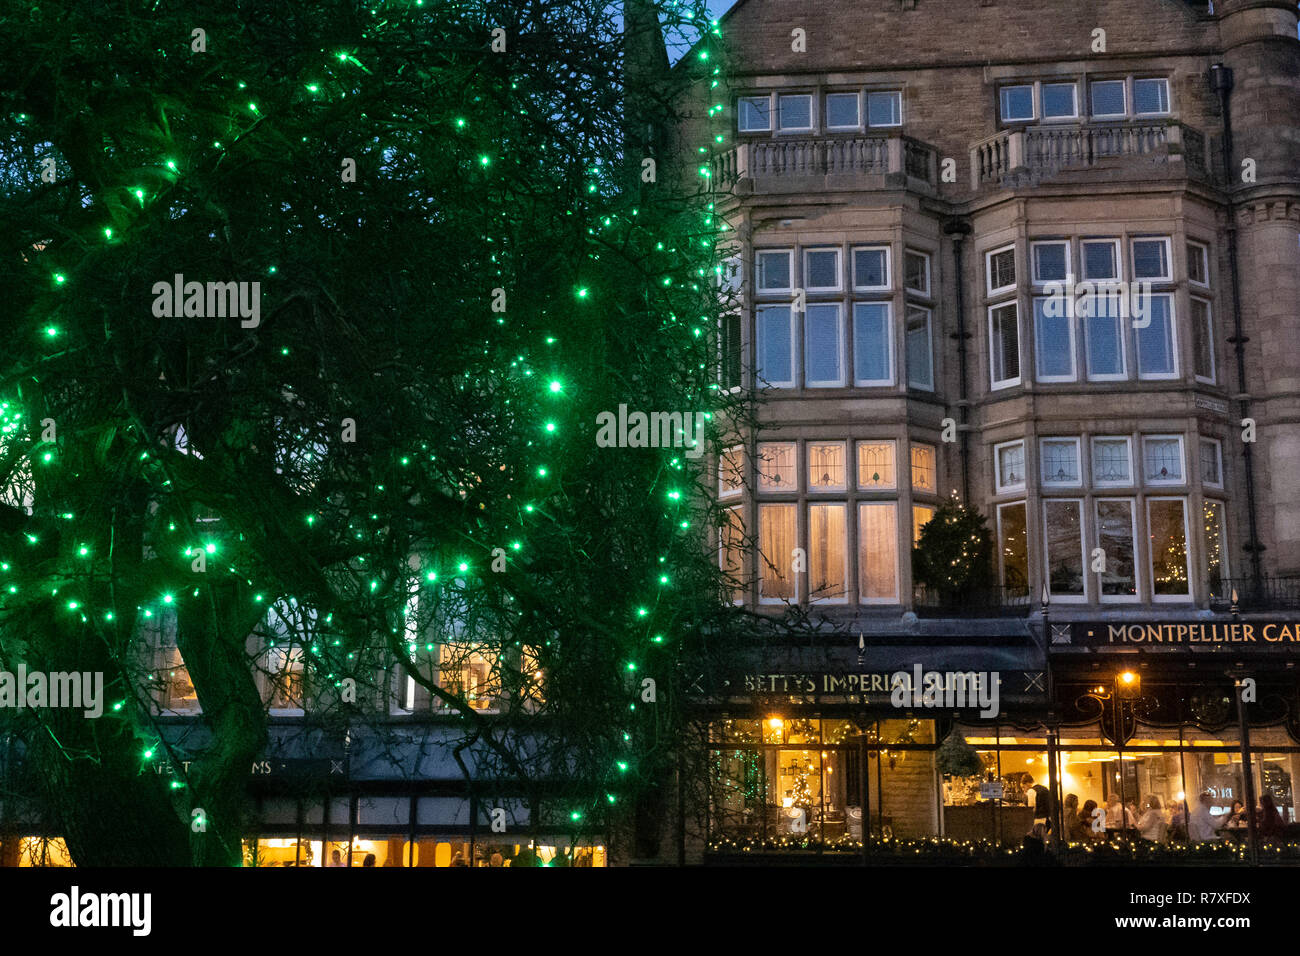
pixel 1221 82
pixel 957 230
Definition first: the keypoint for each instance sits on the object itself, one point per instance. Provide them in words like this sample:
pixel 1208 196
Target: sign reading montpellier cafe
pixel 1236 634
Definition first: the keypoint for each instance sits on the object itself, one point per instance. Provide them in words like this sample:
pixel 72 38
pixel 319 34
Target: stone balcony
pixel 1026 156
pixel 815 164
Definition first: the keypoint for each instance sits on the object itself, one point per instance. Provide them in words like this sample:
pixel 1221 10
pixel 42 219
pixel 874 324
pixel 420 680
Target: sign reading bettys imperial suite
pixel 1239 634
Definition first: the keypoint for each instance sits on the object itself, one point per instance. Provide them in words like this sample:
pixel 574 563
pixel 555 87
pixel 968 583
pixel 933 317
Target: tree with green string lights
pixel 376 489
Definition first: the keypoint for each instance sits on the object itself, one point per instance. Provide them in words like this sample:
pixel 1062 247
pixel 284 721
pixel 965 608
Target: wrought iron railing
pixel 1275 593
pixel 988 602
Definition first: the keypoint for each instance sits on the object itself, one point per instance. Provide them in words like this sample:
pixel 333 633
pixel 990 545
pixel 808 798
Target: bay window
pixel 873 344
pixel 826 466
pixel 1215 542
pixel 1157 355
pixel 1054 339
pixel 878 552
pixel 1167 532
pixel 1004 345
pixel 1009 462
pixel 823 351
pixel 775 334
pixel 1117 537
pixel 827 562
pixel 776 466
pixel 1060 462
pixel 920 355
pixel 876 466
pixel 777 539
pixel 1013 548
pixel 1063 533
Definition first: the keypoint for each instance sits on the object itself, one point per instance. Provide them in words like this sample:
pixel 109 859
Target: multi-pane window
pixel 1100 259
pixel 826 466
pixel 1004 345
pixel 871 269
pixel 842 111
pixel 731 349
pixel 924 477
pixel 731 552
pixel 1009 460
pixel 873 344
pixel 822 270
pixel 1151 97
pixel 775 270
pixel 1063 533
pixel 827 561
pixel 774 326
pixel 916 272
pixel 878 552
pixel 1013 548
pixel 777 469
pixel 1117 538
pixel 794 112
pixel 877 465
pixel 885 108
pixel 920 355
pixel 754 114
pixel 1162 460
pixel 1211 463
pixel 1060 461
pixel 1167 532
pixel 1112 462
pixel 777 539
pixel 731 472
pixel 823 348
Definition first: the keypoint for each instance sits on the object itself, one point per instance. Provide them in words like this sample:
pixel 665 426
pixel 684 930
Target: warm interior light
pixel 776 723
pixel 1128 677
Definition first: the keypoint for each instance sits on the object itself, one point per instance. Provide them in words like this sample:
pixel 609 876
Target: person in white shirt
pixel 1152 825
pixel 1201 825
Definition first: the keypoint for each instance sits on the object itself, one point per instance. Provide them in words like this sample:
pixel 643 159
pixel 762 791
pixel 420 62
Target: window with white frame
pixel 777 539
pixel 1101 315
pixel 1112 462
pixel 1051 261
pixel 873 344
pixel 827 467
pixel 871 269
pixel 916 273
pixel 1013 548
pixel 827 561
pixel 1054 339
pixel 775 346
pixel 1198 264
pixel 1060 462
pixel 1117 539
pixel 794 112
pixel 1009 461
pixel 1155 337
pixel 885 108
pixel 1109 100
pixel 877 466
pixel 731 471
pixel 1151 260
pixel 1151 96
pixel 1004 345
pixel 1162 460
pixel 843 111
pixel 1060 101
pixel 878 552
pixel 1100 259
pixel 1215 542
pixel 823 348
pixel 754 114
pixel 1203 340
pixel 1001 268
pixel 1063 535
pixel 1167 533
pixel 921 516
pixel 1211 463
pixel 924 474
pixel 1017 103
pixel 731 350
pixel 777 466
pixel 775 270
pixel 920 354
pixel 731 552
pixel 822 270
